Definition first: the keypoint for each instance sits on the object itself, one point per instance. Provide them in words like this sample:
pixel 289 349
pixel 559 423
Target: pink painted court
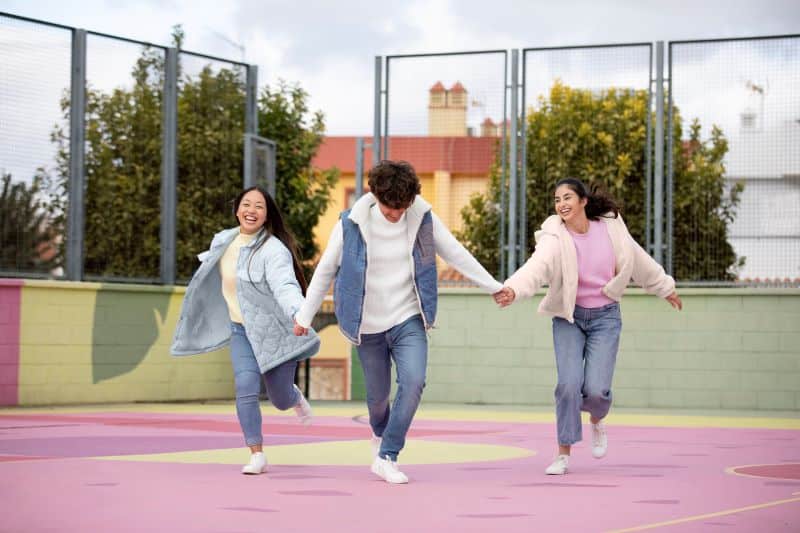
pixel 175 467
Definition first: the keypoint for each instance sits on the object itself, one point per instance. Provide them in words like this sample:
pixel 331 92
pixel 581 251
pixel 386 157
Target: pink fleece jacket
pixel 555 262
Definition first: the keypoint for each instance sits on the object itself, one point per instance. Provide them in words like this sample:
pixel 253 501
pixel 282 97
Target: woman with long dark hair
pixel 587 256
pixel 245 293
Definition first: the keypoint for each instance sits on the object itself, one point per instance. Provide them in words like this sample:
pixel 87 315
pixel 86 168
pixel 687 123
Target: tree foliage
pixel 601 138
pixel 123 164
pixel 27 242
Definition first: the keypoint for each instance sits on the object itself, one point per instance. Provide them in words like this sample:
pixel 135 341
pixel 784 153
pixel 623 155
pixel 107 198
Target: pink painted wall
pixel 10 292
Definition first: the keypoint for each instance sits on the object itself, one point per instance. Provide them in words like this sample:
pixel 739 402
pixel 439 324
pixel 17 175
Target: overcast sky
pixel 329 46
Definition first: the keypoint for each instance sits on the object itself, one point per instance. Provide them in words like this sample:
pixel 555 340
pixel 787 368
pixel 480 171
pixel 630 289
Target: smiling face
pixel 391 214
pixel 569 205
pixel 251 212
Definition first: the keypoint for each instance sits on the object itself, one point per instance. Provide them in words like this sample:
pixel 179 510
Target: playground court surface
pixel 175 467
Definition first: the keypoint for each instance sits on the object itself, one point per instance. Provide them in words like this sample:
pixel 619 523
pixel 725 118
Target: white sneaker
pixel 388 471
pixel 257 464
pixel 559 466
pixel 376 445
pixel 303 409
pixel 599 440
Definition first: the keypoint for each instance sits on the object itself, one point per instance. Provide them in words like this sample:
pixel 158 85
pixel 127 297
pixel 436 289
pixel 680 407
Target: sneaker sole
pixel 388 480
pixel 254 473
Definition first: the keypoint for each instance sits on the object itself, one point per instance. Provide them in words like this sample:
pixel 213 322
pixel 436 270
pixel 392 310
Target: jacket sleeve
pixel 452 251
pixel 537 270
pixel 322 278
pixel 279 273
pixel 648 273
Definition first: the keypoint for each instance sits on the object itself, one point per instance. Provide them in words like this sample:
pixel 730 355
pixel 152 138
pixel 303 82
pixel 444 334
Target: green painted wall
pixel 728 348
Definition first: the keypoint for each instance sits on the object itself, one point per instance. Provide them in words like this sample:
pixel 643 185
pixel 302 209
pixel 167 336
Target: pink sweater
pixel 555 263
pixel 595 264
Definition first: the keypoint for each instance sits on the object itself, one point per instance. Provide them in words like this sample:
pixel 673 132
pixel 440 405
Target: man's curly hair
pixel 394 183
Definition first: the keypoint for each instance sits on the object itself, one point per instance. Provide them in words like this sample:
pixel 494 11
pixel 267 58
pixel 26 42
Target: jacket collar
pixel 225 237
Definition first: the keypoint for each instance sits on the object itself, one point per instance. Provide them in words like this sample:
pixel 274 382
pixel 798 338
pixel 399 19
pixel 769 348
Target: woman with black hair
pixel 246 292
pixel 587 256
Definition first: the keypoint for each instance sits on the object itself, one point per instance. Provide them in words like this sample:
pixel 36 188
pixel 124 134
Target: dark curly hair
pixel 599 202
pixel 394 183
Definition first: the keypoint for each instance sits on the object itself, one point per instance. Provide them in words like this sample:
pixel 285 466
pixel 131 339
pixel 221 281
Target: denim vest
pixel 350 283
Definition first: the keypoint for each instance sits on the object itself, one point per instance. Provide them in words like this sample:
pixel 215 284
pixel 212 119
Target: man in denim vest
pixel 382 254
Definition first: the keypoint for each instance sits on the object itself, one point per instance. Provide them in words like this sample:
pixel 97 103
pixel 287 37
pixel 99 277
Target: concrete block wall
pixel 63 343
pixel 95 343
pixel 728 348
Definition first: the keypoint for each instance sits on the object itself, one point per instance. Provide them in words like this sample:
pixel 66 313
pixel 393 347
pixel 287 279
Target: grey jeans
pixel 586 354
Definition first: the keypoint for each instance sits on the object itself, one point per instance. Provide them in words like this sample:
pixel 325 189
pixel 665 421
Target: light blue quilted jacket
pixel 268 303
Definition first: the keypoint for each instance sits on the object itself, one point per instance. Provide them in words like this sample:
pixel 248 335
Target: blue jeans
pixel 407 344
pixel 279 384
pixel 586 353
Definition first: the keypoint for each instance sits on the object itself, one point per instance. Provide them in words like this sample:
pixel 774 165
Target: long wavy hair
pixel 273 226
pixel 598 201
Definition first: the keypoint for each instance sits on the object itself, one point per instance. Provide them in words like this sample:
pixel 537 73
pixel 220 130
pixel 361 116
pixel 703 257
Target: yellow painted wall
pixel 92 342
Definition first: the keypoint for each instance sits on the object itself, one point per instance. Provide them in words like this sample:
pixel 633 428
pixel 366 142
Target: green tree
pixel 303 192
pixel 601 138
pixel 123 165
pixel 27 241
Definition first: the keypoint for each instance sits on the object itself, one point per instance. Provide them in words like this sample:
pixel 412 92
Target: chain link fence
pixel 113 152
pixel 446 114
pixel 586 114
pixel 702 152
pixel 736 172
pixel 34 78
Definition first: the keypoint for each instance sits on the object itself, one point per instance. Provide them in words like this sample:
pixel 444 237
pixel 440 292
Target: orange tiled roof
pixel 459 155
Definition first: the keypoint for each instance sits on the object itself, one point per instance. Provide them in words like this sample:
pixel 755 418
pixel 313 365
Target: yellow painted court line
pixel 340 453
pixel 471 414
pixel 621 419
pixel 708 515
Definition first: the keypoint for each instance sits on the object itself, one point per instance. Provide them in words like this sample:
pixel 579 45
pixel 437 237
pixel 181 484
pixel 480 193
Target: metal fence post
pixel 169 166
pixel 376 131
pixel 513 186
pixel 648 163
pixel 658 178
pixel 359 167
pixel 77 167
pixel 249 178
pixel 670 182
pixel 251 112
pixel 523 184
pixel 503 175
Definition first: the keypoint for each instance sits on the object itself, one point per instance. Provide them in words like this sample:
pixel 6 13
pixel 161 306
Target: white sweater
pixel 555 262
pixel 447 246
pixel 389 298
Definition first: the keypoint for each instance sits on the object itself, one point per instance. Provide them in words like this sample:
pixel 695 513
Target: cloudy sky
pixel 329 46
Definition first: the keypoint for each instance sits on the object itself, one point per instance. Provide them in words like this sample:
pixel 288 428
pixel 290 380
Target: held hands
pixel 504 297
pixel 675 301
pixel 299 330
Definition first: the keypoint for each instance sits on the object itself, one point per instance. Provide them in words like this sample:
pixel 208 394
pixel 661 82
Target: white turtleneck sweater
pixel 389 298
pixel 389 293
